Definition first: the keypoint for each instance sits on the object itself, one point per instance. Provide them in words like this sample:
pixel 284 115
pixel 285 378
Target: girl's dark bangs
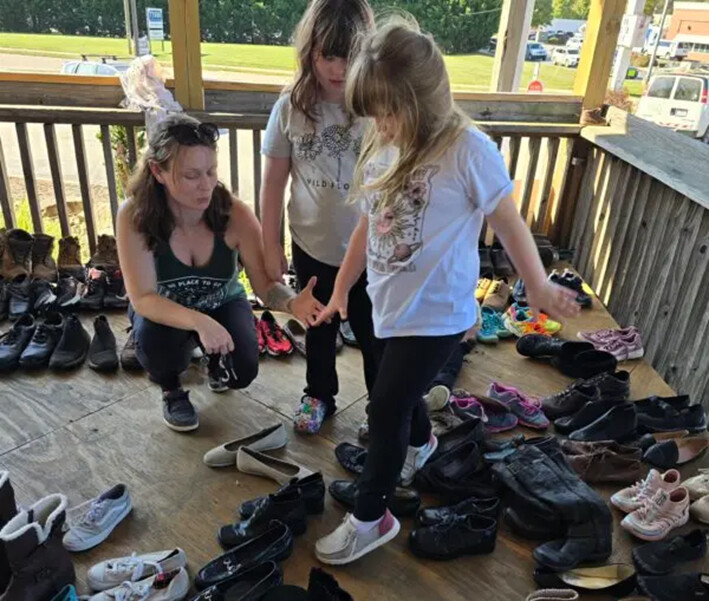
pixel 335 38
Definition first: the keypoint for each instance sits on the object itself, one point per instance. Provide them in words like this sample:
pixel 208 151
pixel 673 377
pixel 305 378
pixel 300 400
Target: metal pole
pixel 650 67
pixel 126 12
pixel 134 20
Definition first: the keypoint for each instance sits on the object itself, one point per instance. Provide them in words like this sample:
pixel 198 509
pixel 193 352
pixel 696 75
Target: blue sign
pixel 156 28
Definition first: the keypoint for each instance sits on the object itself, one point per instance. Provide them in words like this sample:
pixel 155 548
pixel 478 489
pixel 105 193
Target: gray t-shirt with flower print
pixel 323 157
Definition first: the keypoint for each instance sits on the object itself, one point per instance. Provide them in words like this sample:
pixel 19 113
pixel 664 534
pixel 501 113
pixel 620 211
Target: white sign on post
pixel 156 27
pixel 632 30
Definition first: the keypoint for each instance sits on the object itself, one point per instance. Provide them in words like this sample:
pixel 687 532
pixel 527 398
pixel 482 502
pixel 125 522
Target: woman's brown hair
pixel 330 28
pixel 148 203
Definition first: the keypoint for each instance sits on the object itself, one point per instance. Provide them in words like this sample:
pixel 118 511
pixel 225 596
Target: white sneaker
pixel 113 572
pixel 437 398
pixel 416 458
pixel 165 586
pixel 346 544
pixel 97 519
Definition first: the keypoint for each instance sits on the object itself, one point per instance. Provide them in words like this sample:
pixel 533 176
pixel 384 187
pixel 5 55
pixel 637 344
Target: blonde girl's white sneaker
pixel 347 543
pixel 112 572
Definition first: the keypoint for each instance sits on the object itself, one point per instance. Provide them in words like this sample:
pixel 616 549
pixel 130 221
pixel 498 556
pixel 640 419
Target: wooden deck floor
pixel 83 432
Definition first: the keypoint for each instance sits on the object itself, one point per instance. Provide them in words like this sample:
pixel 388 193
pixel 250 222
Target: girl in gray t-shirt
pixel 311 139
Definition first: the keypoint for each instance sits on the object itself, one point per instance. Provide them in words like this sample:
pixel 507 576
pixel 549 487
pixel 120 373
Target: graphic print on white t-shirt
pixel 396 230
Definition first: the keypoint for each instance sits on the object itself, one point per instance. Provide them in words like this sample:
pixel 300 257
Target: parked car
pixel 566 57
pixel 86 67
pixel 671 50
pixel 678 101
pixel 535 52
pixel 575 42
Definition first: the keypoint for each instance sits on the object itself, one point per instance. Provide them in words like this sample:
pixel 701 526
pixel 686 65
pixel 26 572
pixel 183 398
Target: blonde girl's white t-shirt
pixel 422 249
pixel 323 157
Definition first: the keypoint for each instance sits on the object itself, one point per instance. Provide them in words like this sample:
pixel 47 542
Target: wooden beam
pixel 596 59
pixel 515 21
pixel 186 56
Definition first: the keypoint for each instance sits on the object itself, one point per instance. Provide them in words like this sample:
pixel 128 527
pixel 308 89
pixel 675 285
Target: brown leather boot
pixel 43 265
pixel 8 510
pixel 606 466
pixel 40 566
pixel 17 256
pixel 69 259
pixel 106 255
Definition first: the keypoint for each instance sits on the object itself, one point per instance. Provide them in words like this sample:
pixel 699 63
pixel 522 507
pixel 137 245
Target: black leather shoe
pixel 275 544
pixel 473 506
pixel 538 346
pixel 654 404
pixel 471 430
pixel 14 341
pixel 45 338
pixel 675 587
pixel 616 579
pixel 569 401
pixel 585 363
pixel 663 556
pixel 404 502
pixel 351 457
pixel 588 414
pixel 287 507
pixel 619 424
pixel 665 418
pixel 467 535
pixel 247 585
pixel 565 554
pixel 312 488
pixel 323 587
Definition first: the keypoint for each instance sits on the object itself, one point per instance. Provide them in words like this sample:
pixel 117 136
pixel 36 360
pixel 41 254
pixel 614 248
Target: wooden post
pixel 186 57
pixel 594 69
pixel 515 21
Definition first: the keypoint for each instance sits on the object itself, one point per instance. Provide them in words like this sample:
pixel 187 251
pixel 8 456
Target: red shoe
pixel 259 336
pixel 277 344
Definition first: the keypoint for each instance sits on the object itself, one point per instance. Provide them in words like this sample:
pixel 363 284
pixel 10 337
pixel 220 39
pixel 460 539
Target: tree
pixel 571 9
pixel 543 13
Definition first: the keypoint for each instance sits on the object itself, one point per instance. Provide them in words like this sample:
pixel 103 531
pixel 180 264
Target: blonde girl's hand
pixel 556 301
pixel 337 305
pixel 305 307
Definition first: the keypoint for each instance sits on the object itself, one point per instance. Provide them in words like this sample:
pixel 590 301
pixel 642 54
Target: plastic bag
pixel 144 86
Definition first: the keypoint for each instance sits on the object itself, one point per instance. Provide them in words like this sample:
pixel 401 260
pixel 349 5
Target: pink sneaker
pixel 623 348
pixel 632 498
pixel 532 400
pixel 527 414
pixel 657 516
pixel 607 334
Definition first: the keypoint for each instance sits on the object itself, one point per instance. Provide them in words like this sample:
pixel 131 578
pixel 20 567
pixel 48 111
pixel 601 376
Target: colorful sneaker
pixel 487 334
pixel 416 458
pixel 482 288
pixel 520 321
pixel 309 417
pixel 529 415
pixel 468 407
pixel 277 343
pixel 659 515
pixel 259 336
pixel 502 331
pixel 347 544
pixel 633 497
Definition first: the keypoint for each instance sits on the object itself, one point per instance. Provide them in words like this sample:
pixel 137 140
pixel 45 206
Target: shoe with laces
pixel 623 349
pixel 95 290
pixel 570 400
pixel 416 458
pixel 347 544
pixel 97 518
pixel 527 413
pixel 488 333
pixel 129 359
pixel 102 352
pixel 113 572
pixel 260 337
pixel 178 412
pixel 277 343
pixel 73 346
pixel 607 334
pixel 14 342
pixel 659 515
pixel 310 415
pixel 520 321
pixel 116 296
pixel 481 289
pixel 222 376
pixel 69 290
pixel 42 294
pixel 497 295
pixel 631 498
pixel 44 340
pixel 164 586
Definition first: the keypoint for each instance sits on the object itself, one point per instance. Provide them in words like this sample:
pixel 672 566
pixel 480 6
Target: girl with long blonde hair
pixel 312 139
pixel 425 181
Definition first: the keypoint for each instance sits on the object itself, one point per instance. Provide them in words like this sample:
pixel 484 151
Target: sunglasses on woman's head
pixel 194 134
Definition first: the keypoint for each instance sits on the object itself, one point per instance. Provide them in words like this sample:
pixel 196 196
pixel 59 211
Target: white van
pixel 671 50
pixel 678 101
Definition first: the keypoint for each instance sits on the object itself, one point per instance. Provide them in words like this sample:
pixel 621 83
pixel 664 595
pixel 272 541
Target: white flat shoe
pixel 259 464
pixel 273 437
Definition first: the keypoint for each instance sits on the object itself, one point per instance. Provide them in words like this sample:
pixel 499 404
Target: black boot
pixel 287 507
pixel 8 510
pixel 323 587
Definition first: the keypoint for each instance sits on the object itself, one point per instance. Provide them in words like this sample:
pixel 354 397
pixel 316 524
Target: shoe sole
pixel 653 537
pixel 103 368
pixel 362 552
pixel 181 428
pixel 218 389
pixel 99 538
pixel 279 353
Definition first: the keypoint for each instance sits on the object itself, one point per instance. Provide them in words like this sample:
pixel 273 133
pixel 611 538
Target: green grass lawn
pixel 467 72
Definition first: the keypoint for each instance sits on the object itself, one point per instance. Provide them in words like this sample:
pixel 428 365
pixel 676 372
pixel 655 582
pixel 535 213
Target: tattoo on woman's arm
pixel 279 297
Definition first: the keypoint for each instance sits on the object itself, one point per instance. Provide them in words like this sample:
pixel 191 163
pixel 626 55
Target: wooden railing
pixel 641 235
pixel 532 151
